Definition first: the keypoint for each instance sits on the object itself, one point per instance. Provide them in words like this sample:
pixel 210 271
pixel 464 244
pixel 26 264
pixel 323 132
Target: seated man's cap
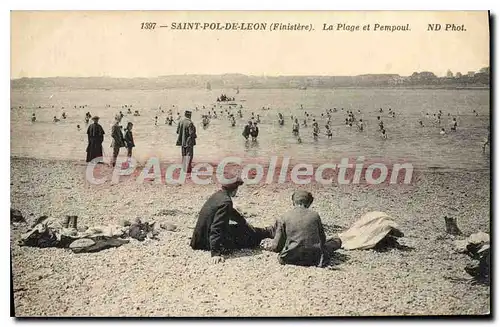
pixel 302 195
pixel 234 185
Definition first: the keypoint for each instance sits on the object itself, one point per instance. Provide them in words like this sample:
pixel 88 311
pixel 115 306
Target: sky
pixel 112 43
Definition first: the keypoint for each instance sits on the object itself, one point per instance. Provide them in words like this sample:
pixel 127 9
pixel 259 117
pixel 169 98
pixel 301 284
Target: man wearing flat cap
pixel 214 233
pixel 186 139
pixel 300 238
pixel 95 135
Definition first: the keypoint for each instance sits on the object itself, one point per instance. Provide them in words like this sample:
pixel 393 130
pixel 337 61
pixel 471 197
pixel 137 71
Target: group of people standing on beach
pixel 186 131
pixel 120 139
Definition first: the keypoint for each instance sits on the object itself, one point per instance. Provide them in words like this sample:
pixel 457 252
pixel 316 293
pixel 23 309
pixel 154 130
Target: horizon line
pixel 242 74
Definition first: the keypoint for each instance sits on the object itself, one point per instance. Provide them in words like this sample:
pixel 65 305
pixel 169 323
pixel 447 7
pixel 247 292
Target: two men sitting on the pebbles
pixel 298 236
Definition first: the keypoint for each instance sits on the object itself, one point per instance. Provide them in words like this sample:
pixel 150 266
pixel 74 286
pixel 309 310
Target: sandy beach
pixel 166 278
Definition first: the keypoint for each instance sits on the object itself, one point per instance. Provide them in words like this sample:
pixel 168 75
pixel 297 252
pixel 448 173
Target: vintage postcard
pixel 250 163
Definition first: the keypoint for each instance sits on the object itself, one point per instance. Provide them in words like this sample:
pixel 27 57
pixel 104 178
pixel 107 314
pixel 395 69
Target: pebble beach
pixel 165 277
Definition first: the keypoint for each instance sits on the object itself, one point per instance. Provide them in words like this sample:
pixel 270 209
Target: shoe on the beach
pixel 16 216
pixel 270 231
pixel 73 222
pixel 66 220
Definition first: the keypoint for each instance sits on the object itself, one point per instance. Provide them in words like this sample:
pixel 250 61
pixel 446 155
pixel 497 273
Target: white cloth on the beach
pixel 368 231
pixel 106 231
pixel 480 238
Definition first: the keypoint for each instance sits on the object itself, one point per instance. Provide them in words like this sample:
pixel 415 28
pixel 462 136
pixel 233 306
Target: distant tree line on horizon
pixel 480 78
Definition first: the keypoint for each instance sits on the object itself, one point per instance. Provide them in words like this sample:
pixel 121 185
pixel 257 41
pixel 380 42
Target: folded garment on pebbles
pixel 105 231
pixel 99 245
pixel 477 246
pixel 81 243
pixel 140 231
pixel 369 230
pixel 42 236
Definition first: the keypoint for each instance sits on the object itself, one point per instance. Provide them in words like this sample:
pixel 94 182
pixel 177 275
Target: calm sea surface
pixel 407 141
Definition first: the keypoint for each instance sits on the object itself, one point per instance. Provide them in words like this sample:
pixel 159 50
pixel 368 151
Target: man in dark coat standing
pixel 300 238
pixel 186 139
pixel 214 233
pixel 95 134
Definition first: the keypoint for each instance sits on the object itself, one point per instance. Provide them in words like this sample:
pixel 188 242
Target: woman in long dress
pixel 95 134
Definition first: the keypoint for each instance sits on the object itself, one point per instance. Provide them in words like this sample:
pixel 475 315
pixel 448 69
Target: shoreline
pixel 420 168
pixel 273 175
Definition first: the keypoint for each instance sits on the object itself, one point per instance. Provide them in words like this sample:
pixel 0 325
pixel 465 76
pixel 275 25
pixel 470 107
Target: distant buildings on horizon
pixel 480 78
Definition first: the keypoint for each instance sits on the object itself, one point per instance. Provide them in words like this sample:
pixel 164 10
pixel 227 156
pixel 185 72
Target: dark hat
pixel 95 118
pixel 305 196
pixel 234 185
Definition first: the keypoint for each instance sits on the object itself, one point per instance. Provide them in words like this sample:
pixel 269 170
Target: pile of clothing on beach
pixel 48 232
pixel 476 246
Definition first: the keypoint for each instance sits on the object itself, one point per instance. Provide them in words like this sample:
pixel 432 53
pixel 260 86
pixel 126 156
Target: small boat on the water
pixel 225 104
pixel 303 88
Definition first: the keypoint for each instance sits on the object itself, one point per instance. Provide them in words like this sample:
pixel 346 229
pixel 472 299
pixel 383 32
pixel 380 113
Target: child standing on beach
pixel 129 139
pixel 254 131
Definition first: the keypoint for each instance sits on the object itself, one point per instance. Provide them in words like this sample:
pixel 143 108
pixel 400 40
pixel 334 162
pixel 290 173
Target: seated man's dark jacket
pixel 211 228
